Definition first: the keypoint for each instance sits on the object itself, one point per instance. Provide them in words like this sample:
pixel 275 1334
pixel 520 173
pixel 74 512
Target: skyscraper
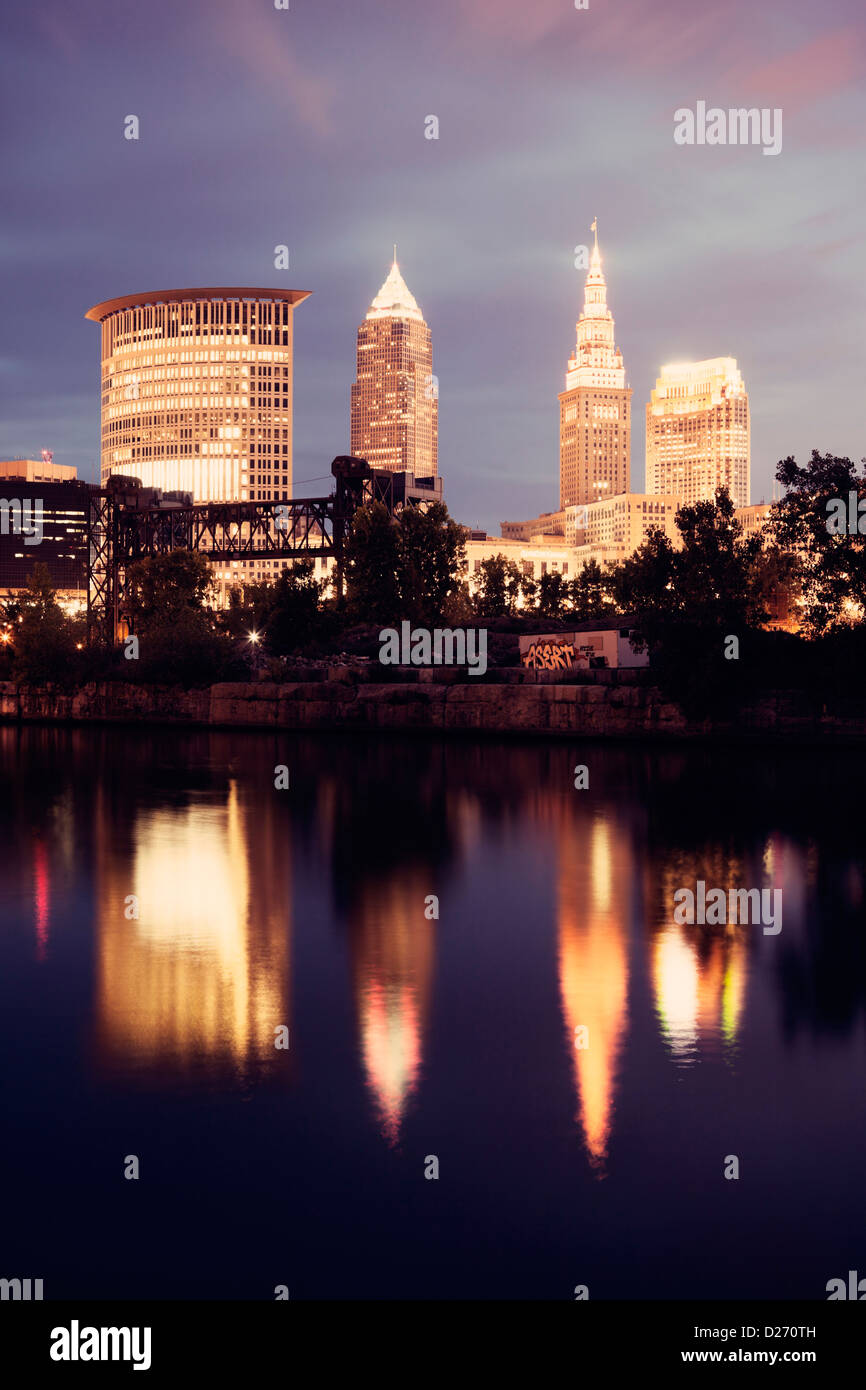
pixel 697 432
pixel 594 420
pixel 395 406
pixel 197 391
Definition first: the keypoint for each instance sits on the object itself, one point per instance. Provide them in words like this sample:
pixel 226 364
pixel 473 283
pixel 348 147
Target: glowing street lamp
pixel 254 639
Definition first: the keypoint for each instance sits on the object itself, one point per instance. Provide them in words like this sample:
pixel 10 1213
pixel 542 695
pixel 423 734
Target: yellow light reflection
pixel 595 875
pixel 196 976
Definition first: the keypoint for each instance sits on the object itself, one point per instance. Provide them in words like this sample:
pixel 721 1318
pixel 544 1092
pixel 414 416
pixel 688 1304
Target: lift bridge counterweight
pixel 128 522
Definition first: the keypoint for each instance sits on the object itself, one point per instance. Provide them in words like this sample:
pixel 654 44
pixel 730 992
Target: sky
pixel 305 127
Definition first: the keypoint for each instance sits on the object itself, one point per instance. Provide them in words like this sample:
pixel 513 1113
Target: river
pixel 475 971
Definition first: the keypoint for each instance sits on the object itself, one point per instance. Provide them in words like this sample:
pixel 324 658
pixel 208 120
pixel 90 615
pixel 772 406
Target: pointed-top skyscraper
pixel 395 406
pixel 595 407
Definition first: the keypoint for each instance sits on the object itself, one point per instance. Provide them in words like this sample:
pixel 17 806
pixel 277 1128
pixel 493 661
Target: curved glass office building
pixel 197 391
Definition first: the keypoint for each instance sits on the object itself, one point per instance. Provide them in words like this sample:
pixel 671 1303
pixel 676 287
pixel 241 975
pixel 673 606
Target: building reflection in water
pixel 392 947
pixel 699 986
pixel 595 878
pixel 699 972
pixel 201 979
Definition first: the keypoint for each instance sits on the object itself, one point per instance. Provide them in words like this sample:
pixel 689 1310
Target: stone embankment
pixel 340 697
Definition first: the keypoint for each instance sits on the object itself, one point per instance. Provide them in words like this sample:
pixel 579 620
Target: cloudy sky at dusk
pixel 306 127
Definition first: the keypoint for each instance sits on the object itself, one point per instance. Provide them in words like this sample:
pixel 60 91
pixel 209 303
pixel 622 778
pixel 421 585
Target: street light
pixel 254 639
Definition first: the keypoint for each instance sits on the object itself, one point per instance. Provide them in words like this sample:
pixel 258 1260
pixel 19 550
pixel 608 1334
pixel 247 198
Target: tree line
pixel 683 600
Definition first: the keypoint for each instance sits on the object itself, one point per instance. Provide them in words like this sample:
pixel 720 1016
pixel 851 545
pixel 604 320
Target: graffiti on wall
pixel 546 654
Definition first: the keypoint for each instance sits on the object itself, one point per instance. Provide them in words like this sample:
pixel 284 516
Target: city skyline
pixel 713 251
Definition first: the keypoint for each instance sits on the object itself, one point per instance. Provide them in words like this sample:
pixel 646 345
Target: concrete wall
pixel 341 702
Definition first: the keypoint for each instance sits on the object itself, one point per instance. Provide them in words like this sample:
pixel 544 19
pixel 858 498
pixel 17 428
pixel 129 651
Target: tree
pixel 687 603
pixel 499 584
pixel 180 640
pixel 644 584
pixel 711 584
pixel 45 641
pixel 778 580
pixel 431 554
pixel 715 570
pixel 403 567
pixel 162 585
pixel 812 522
pixel 553 594
pixel 459 609
pixel 590 592
pixel 287 612
pixel 372 557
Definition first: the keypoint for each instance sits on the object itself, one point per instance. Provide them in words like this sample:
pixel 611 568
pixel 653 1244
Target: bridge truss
pixel 127 523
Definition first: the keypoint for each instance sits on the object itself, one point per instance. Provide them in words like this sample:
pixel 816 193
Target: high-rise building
pixel 594 418
pixel 197 391
pixel 697 432
pixel 395 406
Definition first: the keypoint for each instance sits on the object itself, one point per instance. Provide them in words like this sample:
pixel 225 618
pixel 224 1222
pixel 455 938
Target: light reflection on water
pixel 193 910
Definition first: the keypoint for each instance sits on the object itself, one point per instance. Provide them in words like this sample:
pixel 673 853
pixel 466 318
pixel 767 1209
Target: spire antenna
pixel 594 228
pixel 395 253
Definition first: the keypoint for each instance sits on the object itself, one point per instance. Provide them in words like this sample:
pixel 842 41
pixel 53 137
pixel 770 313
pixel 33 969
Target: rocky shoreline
pixel 343 698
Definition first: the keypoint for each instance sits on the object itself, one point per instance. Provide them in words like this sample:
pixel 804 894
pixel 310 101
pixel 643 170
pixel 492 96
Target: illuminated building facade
pixel 42 470
pixel 753 518
pixel 197 391
pixel 197 396
pixel 614 529
pixel 605 532
pixel 594 408
pixel 697 432
pixel 395 406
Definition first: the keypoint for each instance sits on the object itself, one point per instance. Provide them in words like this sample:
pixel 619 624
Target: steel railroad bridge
pixel 128 522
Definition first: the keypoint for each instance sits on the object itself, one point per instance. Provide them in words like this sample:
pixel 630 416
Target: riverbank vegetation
pixel 722 614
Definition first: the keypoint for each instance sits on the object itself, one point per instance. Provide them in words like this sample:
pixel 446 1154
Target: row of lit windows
pixel 136 361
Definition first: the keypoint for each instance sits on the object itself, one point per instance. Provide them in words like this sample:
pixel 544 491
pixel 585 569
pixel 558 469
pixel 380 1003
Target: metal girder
pixel 121 530
pixel 100 570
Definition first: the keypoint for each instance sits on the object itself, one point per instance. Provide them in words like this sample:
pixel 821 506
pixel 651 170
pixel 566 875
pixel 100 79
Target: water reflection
pixel 700 988
pixel 383 869
pixel 392 947
pixel 41 896
pixel 595 883
pixel 193 936
pixel 191 827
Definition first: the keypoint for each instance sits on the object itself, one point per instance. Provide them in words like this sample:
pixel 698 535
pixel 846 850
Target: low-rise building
pixel 754 517
pixel 605 532
pixel 533 558
pixel 41 470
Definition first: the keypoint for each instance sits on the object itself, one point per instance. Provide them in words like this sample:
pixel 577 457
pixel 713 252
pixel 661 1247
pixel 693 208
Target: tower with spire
pixel 595 407
pixel 394 403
